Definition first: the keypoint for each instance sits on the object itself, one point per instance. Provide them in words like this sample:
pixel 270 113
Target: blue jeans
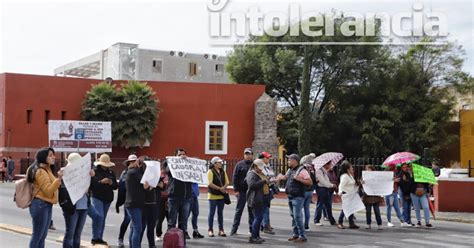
pixel 41 212
pixel 135 227
pixel 324 204
pixel 195 210
pixel 307 201
pixel 98 212
pixel 296 211
pixel 257 221
pixel 74 225
pixel 10 175
pixel 406 209
pixel 149 217
pixel 266 211
pixel 392 200
pixel 418 202
pixel 178 206
pixel 368 213
pixel 124 225
pixel 239 209
pixel 213 204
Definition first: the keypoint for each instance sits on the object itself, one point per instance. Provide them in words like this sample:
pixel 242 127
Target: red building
pixel 190 112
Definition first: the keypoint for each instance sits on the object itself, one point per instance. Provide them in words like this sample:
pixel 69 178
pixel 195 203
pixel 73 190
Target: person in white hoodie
pixel 347 184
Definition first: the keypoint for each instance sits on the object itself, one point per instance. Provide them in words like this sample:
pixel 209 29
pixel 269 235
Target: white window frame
pixel 224 125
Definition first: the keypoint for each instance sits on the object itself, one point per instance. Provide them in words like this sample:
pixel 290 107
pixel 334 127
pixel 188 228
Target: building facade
pixel 126 61
pixel 204 118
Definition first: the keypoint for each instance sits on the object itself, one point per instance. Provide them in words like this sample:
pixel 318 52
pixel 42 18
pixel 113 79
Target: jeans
pixel 149 217
pixel 124 225
pixel 98 212
pixel 406 209
pixel 162 214
pixel 296 211
pixel 213 204
pixel 41 212
pixel 351 219
pixel 178 206
pixel 136 226
pixel 195 211
pixel 257 221
pixel 10 175
pixel 239 209
pixel 74 225
pixel 368 213
pixel 324 203
pixel 308 195
pixel 392 200
pixel 266 211
pixel 418 202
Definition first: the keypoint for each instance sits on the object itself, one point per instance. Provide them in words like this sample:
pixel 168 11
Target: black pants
pixel 368 213
pixel 162 203
pixel 351 219
pixel 149 216
pixel 239 209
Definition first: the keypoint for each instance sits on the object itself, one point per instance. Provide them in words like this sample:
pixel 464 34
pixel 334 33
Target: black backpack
pixel 65 201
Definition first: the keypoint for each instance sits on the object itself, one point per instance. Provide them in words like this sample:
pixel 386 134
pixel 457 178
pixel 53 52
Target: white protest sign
pixel 378 183
pixel 77 178
pixel 152 173
pixel 188 169
pixel 351 203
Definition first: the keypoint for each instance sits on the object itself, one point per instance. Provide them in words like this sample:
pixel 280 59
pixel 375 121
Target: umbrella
pixel 432 210
pixel 324 158
pixel 400 158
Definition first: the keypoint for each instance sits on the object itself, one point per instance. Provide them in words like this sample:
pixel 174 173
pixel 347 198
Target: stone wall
pixel 265 138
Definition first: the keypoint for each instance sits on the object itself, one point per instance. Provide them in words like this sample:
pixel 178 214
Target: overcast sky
pixel 38 36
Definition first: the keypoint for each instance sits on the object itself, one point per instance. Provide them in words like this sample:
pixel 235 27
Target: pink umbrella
pixel 400 158
pixel 324 158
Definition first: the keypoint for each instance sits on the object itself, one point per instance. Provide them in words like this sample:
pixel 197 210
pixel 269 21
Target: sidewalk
pixel 440 216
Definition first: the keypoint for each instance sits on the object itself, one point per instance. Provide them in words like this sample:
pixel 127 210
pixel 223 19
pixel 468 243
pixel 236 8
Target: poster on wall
pixel 80 136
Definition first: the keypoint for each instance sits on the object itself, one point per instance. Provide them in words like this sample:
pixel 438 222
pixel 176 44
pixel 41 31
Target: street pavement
pixel 15 226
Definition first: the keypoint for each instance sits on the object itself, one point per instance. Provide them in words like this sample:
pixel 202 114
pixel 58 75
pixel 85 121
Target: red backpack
pixel 174 238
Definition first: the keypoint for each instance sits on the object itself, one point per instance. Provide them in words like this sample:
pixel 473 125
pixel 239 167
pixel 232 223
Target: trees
pixel 132 109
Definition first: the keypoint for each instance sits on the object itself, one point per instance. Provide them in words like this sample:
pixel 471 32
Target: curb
pixel 459 220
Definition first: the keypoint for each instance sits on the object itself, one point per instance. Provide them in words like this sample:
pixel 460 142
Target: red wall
pixel 184 109
pixel 454 196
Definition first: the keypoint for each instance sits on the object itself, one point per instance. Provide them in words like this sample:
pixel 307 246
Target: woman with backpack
pixel 45 193
pixel 218 182
pixel 74 214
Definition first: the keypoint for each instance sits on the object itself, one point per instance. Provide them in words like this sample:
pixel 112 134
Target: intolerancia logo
pixel 228 27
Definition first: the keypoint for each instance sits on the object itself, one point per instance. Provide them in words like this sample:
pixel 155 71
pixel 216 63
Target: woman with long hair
pixel 347 184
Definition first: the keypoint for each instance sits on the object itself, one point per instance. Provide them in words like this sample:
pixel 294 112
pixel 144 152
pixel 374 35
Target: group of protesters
pixel 254 185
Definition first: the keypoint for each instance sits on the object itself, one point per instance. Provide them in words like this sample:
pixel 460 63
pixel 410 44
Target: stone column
pixel 265 137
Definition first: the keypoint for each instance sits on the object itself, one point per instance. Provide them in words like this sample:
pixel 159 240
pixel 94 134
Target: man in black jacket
pixel 240 189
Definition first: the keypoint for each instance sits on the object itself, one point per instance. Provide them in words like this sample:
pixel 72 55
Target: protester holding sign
pixel 347 184
pixel 74 213
pixel 217 188
pixel 420 195
pixel 179 198
pixel 407 186
pixel 372 201
pixel 45 193
pixel 103 185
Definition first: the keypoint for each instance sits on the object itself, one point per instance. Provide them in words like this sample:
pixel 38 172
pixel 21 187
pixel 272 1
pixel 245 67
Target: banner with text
pixel 188 169
pixel 80 136
pixel 351 203
pixel 77 178
pixel 378 183
pixel 423 174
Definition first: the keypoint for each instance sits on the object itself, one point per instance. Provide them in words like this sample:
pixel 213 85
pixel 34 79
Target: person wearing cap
pixel 324 191
pixel 135 200
pixel 258 196
pixel 269 173
pixel 74 214
pixel 240 190
pixel 297 177
pixel 45 186
pixel 218 182
pixel 103 184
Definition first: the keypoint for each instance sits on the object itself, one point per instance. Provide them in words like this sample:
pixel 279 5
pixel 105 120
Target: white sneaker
pixel 318 224
pixel 158 239
pixel 404 224
pixel 390 224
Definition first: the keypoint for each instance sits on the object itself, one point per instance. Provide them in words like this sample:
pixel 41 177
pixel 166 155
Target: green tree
pixel 132 109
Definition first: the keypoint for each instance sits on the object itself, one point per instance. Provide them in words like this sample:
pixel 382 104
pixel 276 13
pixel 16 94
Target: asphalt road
pixel 445 234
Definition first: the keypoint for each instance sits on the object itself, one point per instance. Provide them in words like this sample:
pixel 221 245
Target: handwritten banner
pixel 378 183
pixel 188 169
pixel 423 174
pixel 152 173
pixel 77 178
pixel 351 203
